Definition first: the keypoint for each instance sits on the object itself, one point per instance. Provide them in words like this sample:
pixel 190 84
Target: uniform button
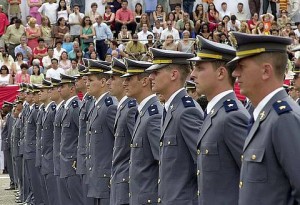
pixel 123 180
pixel 158 181
pixel 160 144
pixel 42 155
pixel 158 200
pixel 198 193
pixel 95 131
pixel 158 162
pixel 242 157
pixel 149 201
pixel 198 151
pixel 136 144
pixel 42 129
pixel 253 157
pixel 198 172
pixel 90 156
pixel 206 151
pixel 129 161
pixel 90 168
pixel 90 132
pixel 169 142
pixel 130 145
pixel 86 157
pixel 129 194
pixel 241 184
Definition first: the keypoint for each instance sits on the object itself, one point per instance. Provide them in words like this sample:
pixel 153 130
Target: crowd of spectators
pixel 57 35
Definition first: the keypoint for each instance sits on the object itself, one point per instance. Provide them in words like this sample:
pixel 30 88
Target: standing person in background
pixel 109 17
pixel 14 9
pixel 49 9
pixel 87 33
pixel 266 4
pixel 63 10
pixel 23 76
pixel 79 3
pixel 93 12
pixel 3 25
pixel 40 51
pixel 46 31
pixel 33 33
pixel 34 6
pixel 188 6
pixel 75 21
pixel 60 30
pixel 24 49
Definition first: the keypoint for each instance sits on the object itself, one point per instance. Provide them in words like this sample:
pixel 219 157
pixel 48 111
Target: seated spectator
pixel 125 17
pixel 253 22
pixel 108 58
pixel 47 59
pixel 93 12
pixel 284 19
pixel 286 30
pixel 151 43
pixel 75 20
pixel 19 61
pixel 244 28
pixel 233 24
pixel 64 62
pixel 157 29
pixel 181 22
pixel 259 29
pixel 212 17
pixel 138 11
pixel 73 69
pixel 114 47
pixel 169 44
pixel 93 55
pixel 170 17
pixel 8 61
pixel 23 76
pixel 37 63
pixel 72 53
pixel 241 15
pixel 46 31
pixel 220 29
pixel 297 31
pixel 109 18
pixel 224 11
pixel 134 48
pixel 36 77
pixel 67 45
pixel 199 17
pixel 40 51
pixel 54 71
pixel 79 56
pixel 204 31
pixel 187 26
pixel 87 32
pixel 274 32
pixel 60 30
pixel 186 45
pixel 124 35
pixel 224 39
pixel 159 15
pixel 63 10
pixel 142 35
pixel 178 12
pixel 91 48
pixel 58 50
pixel 144 20
pixel 5 77
pixel 169 31
pixel 267 19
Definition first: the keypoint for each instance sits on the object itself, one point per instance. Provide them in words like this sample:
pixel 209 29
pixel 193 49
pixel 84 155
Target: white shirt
pixel 174 32
pixel 49 10
pixel 242 16
pixel 143 103
pixel 142 36
pixel 69 101
pixel 297 32
pixel 46 61
pixel 121 101
pixel 157 31
pixel 231 26
pixel 168 102
pixel 100 98
pixel 57 54
pixel 75 29
pixel 263 103
pixel 60 104
pixel 223 13
pixel 51 73
pixel 216 99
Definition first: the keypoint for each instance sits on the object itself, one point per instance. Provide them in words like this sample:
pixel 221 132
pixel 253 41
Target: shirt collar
pixel 168 102
pixel 100 98
pixel 59 104
pixel 263 102
pixel 143 103
pixel 46 108
pixel 216 99
pixel 70 100
pixel 121 101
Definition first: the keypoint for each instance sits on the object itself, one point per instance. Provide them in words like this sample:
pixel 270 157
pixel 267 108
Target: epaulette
pixel 153 110
pixel 131 103
pixel 281 107
pixel 108 101
pixel 53 106
pixel 230 105
pixel 74 103
pixel 188 101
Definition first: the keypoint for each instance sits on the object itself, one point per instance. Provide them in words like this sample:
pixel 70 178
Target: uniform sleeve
pixel 153 134
pixel 75 116
pixel 235 133
pixel 130 120
pixel 191 121
pixel 286 142
pixel 110 117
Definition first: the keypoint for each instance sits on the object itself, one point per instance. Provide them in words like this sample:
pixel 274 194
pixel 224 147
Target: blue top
pixel 67 46
pixel 102 31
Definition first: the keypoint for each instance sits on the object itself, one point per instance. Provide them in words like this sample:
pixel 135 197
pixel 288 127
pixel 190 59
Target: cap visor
pixel 156 67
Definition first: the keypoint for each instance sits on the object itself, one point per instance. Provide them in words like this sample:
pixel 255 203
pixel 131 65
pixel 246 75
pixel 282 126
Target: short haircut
pixel 40 40
pixel 240 3
pixel 221 63
pixel 54 59
pixel 99 76
pixel 24 65
pixel 94 4
pixel 223 3
pixel 184 71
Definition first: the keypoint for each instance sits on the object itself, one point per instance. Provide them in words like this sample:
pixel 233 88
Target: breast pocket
pixel 210 156
pixel 137 148
pixel 170 146
pixel 256 168
pixel 120 138
pixel 96 134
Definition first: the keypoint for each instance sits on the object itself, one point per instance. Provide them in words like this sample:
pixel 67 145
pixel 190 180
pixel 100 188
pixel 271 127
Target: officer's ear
pixel 267 70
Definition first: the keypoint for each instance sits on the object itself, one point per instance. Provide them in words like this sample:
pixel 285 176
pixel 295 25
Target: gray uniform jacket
pixel 38 157
pixel 30 133
pixel 69 138
pixel 16 132
pixel 100 147
pixel 219 152
pixel 6 133
pixel 47 137
pixel 123 129
pixel 270 172
pixel 57 139
pixel 177 183
pixel 87 103
pixel 23 116
pixel 144 155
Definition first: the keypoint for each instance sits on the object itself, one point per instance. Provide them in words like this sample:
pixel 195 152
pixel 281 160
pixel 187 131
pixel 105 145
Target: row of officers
pixel 121 145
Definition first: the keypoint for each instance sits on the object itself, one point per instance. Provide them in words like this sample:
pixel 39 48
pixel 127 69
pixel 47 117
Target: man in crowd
pixel 124 16
pixel 24 49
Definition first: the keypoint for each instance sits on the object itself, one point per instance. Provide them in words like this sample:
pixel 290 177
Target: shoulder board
pixel 108 101
pixel 281 107
pixel 153 110
pixel 230 105
pixel 53 106
pixel 188 101
pixel 36 106
pixel 131 103
pixel 89 97
pixel 74 103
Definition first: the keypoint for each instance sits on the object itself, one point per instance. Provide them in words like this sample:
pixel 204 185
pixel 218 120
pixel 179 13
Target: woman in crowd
pixel 34 6
pixel 33 33
pixel 63 10
pixel 67 44
pixel 109 17
pixel 244 28
pixel 5 77
pixel 64 61
pixel 253 22
pixel 8 61
pixel 199 17
pixel 124 36
pixel 159 15
pixel 23 76
pixel 170 17
pixel 19 60
pixel 178 13
pixel 138 10
pixel 186 45
pixel 188 27
pixel 212 16
pixel 36 77
pixel 58 50
pixel 94 55
pixel 46 31
pixel 169 44
pixel 86 32
pixel 40 51
pixel 144 20
pixel 204 31
pixel 259 29
pixel 79 56
pixel 60 29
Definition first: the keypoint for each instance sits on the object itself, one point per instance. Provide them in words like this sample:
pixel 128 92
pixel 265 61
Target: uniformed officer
pixel 6 141
pixel 144 154
pixel 100 134
pixel 56 97
pixel 223 133
pixel 69 141
pixel 123 128
pixel 269 174
pixel 30 128
pixel 84 113
pixel 46 142
pixel 177 183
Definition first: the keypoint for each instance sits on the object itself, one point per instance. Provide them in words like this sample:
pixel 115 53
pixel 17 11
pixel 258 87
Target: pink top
pixel 124 15
pixel 22 79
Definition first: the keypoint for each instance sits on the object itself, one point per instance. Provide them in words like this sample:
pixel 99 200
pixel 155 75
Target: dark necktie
pixel 250 124
pixel 205 114
pixel 164 115
pixel 136 115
